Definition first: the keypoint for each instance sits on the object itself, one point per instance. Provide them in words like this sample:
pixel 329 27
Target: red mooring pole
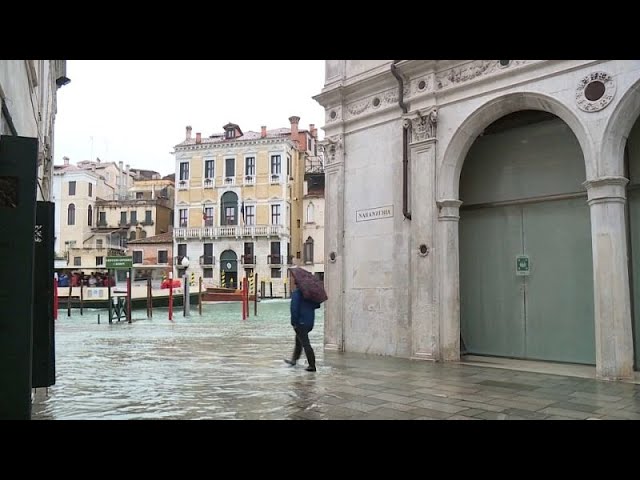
pixel 129 296
pixel 171 296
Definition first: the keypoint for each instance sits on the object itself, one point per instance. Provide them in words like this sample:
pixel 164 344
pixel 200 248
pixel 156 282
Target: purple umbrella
pixel 311 287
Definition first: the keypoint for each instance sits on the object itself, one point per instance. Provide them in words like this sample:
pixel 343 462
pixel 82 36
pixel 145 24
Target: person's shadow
pixel 303 403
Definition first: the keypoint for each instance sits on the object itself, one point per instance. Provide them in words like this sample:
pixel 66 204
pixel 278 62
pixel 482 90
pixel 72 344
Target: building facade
pixel 156 252
pixel 484 206
pixel 238 208
pixel 313 216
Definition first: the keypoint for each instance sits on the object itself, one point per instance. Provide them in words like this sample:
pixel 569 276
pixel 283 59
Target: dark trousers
pixel 302 342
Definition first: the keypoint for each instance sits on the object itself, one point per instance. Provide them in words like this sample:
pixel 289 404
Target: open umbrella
pixel 311 287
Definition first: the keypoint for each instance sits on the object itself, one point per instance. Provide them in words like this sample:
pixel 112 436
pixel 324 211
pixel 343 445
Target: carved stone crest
pixel 331 146
pixel 424 127
pixel 595 91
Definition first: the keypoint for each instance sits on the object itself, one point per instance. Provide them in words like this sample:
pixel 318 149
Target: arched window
pixel 132 235
pixel 229 209
pixel 308 250
pixel 89 215
pixel 143 234
pixel 310 213
pixel 71 214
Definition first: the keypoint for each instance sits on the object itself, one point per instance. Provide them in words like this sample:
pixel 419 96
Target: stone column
pixel 422 261
pixel 449 256
pixel 611 295
pixel 334 243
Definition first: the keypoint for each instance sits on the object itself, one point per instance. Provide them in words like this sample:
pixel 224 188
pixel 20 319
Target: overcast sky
pixel 136 111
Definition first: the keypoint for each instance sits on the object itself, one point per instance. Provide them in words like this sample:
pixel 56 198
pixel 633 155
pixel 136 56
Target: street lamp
pixel 185 262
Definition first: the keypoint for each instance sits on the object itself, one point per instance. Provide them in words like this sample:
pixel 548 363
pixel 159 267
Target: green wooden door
pixel 546 315
pixel 633 197
pixel 559 290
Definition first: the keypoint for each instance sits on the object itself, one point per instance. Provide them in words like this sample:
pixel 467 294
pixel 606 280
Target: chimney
pixel 65 160
pixel 313 130
pixel 93 167
pixel 294 127
pixel 188 132
pixel 263 133
pixel 198 137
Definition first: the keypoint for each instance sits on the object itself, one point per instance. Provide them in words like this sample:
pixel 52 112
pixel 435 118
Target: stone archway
pixel 447 187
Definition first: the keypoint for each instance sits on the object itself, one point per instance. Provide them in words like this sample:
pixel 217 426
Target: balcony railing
pixel 229 180
pixel 248 259
pixel 249 180
pixel 274 259
pixel 274 178
pixel 228 231
pixel 209 183
pixel 183 184
pixel 207 260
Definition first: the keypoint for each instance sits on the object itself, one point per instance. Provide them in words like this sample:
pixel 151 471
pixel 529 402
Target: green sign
pixel 119 262
pixel 522 265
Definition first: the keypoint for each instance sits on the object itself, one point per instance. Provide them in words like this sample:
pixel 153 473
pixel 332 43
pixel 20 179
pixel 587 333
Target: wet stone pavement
pixel 216 366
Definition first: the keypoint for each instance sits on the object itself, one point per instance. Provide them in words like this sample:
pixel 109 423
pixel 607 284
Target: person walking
pixel 303 312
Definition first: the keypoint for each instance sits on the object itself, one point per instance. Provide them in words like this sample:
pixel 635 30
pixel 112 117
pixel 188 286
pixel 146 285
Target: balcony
pixel 207 260
pixel 274 178
pixel 147 223
pixel 231 231
pixel 229 181
pixel 274 259
pixel 183 185
pixel 248 259
pixel 209 183
pixel 250 180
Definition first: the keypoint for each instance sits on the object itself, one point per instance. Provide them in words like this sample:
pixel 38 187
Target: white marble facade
pixel 393 282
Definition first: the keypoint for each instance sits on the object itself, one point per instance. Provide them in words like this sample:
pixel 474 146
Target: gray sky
pixel 137 110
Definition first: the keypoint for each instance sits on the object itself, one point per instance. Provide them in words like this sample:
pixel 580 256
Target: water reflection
pixel 214 366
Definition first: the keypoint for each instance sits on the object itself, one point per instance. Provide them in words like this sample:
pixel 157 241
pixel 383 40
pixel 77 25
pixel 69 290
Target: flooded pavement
pixel 217 366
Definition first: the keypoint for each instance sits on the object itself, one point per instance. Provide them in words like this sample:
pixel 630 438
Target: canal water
pixel 214 366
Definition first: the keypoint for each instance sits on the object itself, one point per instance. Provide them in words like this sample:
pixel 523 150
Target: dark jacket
pixel 303 311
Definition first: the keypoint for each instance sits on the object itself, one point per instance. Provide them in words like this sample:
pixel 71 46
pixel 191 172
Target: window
pixel 249 214
pixel 102 219
pixel 184 170
pixel 77 261
pixel 288 165
pixel 163 256
pixel 229 216
pixel 207 273
pixel 147 217
pixel 99 244
pixel 250 166
pixel 208 169
pixel 134 217
pixel 123 218
pixel 308 250
pixel 275 214
pixel 276 272
pixel 208 217
pixel 298 223
pixel 71 214
pixel 309 144
pixel 132 235
pixel 139 195
pixel 229 209
pixel 230 133
pixel 230 167
pixel 275 164
pixel 143 234
pixel 89 215
pixel 310 212
pixel 72 188
pixel 99 261
pixel 183 217
pixel 137 256
pixel 182 249
pixel 90 189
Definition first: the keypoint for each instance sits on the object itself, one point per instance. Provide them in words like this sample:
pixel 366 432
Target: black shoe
pixel 310 369
pixel 290 362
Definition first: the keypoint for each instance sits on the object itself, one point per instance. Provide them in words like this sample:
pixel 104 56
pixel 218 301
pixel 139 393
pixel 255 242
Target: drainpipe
pixel 405 141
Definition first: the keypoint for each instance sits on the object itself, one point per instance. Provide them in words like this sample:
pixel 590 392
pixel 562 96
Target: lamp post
pixel 185 285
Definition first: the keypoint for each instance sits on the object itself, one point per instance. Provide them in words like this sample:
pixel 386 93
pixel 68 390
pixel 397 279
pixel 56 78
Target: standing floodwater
pixel 214 366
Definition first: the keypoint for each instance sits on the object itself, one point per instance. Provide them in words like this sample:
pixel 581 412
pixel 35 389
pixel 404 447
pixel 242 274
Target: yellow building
pixel 238 208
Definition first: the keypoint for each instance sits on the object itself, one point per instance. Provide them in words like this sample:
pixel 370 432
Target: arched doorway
pixel 632 172
pixel 526 275
pixel 229 269
pixel 229 209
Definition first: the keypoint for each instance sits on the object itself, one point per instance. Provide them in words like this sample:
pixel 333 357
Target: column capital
pixel 449 210
pixel 606 190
